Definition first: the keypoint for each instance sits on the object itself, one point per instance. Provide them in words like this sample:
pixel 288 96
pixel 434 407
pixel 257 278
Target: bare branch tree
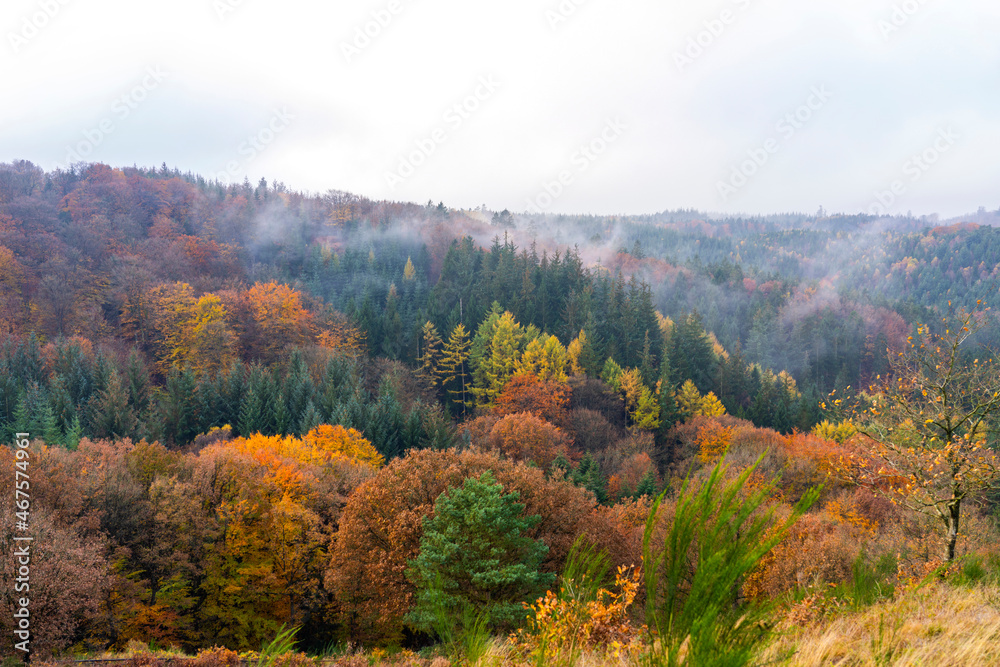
pixel 925 428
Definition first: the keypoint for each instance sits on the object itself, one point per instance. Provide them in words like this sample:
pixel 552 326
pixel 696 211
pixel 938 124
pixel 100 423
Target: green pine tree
pixel 251 418
pixel 474 554
pixel 311 418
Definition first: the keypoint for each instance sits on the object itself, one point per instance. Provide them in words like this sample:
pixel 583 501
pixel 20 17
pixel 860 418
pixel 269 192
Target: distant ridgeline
pixel 153 304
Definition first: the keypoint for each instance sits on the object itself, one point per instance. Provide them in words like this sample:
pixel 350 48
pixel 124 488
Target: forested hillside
pixel 248 403
pixel 194 276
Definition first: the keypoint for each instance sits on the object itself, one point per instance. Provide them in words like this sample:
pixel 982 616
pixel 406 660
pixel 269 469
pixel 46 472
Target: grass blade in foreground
pixel 719 534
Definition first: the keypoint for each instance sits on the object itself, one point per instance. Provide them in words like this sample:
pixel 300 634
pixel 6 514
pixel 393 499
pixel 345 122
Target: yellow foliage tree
pixel 453 367
pixel 690 403
pixel 345 442
pixel 211 340
pixel 689 400
pixel 546 359
pixel 711 406
pixel 929 425
pixel 320 446
pixel 574 351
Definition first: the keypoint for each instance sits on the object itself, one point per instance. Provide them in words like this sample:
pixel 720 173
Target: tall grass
pixel 465 637
pixel 719 533
pixel 283 642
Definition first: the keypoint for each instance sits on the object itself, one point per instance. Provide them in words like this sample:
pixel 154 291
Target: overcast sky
pixel 579 106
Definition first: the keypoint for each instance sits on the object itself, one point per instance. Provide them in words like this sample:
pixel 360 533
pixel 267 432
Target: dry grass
pixel 939 625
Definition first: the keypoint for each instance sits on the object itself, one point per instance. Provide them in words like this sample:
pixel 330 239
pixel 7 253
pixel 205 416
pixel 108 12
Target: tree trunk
pixel 952 535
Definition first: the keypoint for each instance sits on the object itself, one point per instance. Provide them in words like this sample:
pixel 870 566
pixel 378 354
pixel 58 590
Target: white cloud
pixel 560 85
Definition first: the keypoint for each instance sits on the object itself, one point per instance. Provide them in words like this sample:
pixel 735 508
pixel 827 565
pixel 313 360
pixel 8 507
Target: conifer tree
pixel 474 554
pixel 453 369
pixel 646 416
pixel 647 485
pixel 282 416
pixel 178 410
pixel 611 374
pixel 111 414
pixel 430 354
pixel 691 353
pixel 546 359
pixel 137 378
pixel 48 426
pixel 583 360
pixel 258 405
pixel 310 419
pixel 392 326
pixel 667 399
pixel 73 434
pixel 689 400
pixel 588 475
pixel 505 352
pixel 63 408
pixel 480 357
pixel 209 413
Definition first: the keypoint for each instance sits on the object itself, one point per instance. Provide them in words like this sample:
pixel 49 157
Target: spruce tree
pixel 310 419
pixel 111 414
pixel 139 391
pixel 178 410
pixel 251 419
pixel 282 416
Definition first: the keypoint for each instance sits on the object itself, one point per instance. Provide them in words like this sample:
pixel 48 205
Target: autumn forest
pixel 390 431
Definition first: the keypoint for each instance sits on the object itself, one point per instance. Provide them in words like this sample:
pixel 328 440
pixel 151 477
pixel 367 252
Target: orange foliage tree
pixel 525 437
pixel 527 393
pixel 272 319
